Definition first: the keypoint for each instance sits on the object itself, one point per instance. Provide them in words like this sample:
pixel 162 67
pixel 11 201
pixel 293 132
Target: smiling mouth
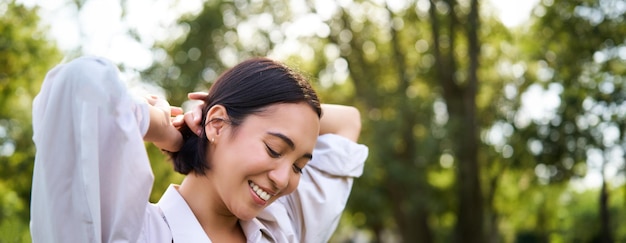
pixel 259 192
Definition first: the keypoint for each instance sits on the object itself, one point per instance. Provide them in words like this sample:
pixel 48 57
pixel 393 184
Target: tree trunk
pixel 605 227
pixel 491 216
pixel 462 125
pixel 414 226
pixel 471 207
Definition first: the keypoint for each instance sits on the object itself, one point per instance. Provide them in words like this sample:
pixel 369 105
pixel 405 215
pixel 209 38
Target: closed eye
pixel 272 153
pixel 297 169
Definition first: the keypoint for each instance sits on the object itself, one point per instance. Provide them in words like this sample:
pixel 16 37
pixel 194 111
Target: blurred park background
pixel 479 129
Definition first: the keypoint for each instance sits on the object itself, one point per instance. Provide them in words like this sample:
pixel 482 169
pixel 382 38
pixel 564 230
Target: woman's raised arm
pixel 341 120
pixel 91 178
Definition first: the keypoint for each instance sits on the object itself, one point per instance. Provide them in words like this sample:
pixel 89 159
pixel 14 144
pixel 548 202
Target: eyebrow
pixel 289 142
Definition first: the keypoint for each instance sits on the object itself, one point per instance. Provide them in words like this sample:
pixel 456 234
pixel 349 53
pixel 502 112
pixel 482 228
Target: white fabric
pixel 92 176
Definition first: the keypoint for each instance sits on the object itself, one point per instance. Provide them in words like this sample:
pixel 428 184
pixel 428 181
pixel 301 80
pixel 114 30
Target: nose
pixel 280 176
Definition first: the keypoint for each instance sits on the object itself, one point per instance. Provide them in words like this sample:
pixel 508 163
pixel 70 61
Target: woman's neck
pixel 205 203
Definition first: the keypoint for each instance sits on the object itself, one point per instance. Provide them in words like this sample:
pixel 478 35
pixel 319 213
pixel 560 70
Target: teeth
pixel 262 194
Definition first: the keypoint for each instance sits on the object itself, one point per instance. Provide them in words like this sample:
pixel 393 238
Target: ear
pixel 215 121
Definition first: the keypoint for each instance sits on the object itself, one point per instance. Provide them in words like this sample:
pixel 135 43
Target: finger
pixel 192 124
pixel 178 121
pixel 175 111
pixel 197 95
pixel 197 113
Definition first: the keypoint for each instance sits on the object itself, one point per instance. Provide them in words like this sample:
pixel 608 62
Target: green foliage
pixel 191 62
pixel 25 56
pixel 562 59
pixel 570 48
pixel 393 93
pixel 210 43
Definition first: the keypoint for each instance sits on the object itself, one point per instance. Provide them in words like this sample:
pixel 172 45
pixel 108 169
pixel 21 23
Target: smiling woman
pixel 261 166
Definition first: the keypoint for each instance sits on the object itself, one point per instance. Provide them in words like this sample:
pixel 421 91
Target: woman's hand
pixel 163 105
pixel 192 118
pixel 161 131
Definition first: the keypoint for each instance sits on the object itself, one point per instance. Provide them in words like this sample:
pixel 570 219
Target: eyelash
pixel 271 152
pixel 275 154
pixel 297 169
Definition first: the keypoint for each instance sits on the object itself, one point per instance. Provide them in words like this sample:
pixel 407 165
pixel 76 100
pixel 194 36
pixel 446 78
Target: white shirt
pixel 92 177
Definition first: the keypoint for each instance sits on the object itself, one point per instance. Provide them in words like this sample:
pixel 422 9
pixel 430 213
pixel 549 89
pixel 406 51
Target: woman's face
pixel 261 161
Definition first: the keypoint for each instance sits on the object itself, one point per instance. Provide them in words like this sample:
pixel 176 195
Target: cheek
pixel 294 181
pixel 239 153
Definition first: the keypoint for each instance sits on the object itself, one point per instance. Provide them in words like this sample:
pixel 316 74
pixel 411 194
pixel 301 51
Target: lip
pixel 256 198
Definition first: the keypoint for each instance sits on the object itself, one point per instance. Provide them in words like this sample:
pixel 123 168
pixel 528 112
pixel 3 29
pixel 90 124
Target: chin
pixel 248 213
pixel 247 216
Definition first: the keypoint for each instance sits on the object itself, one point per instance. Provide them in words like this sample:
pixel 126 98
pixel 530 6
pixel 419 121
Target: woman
pixel 92 178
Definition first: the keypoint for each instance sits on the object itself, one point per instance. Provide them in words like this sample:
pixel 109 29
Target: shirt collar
pixel 179 217
pixel 255 231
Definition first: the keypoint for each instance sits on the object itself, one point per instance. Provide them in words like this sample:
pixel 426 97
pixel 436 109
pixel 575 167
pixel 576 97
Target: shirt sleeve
pixel 92 178
pixel 315 208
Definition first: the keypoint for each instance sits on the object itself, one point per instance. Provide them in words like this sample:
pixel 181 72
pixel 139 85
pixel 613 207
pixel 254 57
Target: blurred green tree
pixel 574 50
pixel 570 54
pixel 417 64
